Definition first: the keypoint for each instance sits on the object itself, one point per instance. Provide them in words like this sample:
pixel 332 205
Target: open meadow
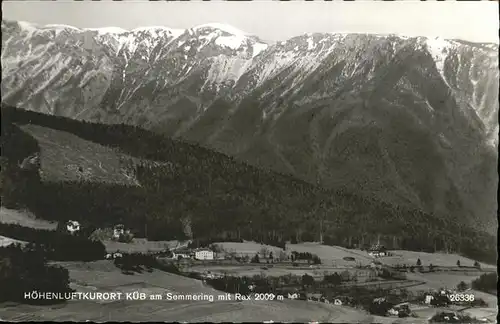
pixel 66 156
pixel 333 255
pixel 4 241
pixel 105 277
pixel 141 246
pixel 24 218
pixel 437 259
pixel 329 255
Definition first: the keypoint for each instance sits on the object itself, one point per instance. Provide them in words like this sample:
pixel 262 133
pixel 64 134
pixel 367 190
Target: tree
pixel 307 280
pixel 477 265
pixel 334 279
pixel 216 248
pixel 271 255
pixel 263 251
pixel 345 275
pixel 487 282
pixel 462 286
pixel 419 263
pixel 255 259
pixel 125 238
pixel 458 263
pixel 431 267
pixel 282 255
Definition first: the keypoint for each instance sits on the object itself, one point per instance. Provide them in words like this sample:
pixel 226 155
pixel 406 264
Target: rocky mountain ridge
pixel 410 120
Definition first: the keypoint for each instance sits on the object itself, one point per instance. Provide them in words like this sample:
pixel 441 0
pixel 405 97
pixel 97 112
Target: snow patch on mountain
pixel 27 25
pixel 60 26
pixel 258 48
pixel 28 28
pixel 108 30
pixel 225 69
pixel 226 28
pixel 280 62
pixel 157 29
pixel 310 44
pixel 439 49
pixel 233 42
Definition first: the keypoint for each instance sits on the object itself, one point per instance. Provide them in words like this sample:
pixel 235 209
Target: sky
pixel 274 20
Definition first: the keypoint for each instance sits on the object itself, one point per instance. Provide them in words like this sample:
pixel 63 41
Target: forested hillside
pixel 215 195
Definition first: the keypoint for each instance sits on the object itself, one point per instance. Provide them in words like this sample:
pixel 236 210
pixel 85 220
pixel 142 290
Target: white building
pixel 118 230
pixel 377 254
pixel 377 251
pixel 203 254
pixel 181 254
pixel 428 299
pixel 72 226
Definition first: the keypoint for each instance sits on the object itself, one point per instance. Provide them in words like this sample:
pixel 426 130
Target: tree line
pixel 305 256
pixel 487 282
pixel 24 270
pixel 131 263
pixel 56 245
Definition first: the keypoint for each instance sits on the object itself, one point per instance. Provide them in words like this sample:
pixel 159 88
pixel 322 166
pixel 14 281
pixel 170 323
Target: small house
pixel 203 254
pixel 72 226
pixel 118 230
pixel 428 299
pixel 182 254
pixel 377 251
pixel 401 310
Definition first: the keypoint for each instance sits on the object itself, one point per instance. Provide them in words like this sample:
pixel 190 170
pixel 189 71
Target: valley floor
pixel 103 276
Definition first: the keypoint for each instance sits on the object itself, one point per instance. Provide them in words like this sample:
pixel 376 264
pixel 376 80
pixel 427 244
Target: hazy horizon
pixel 274 21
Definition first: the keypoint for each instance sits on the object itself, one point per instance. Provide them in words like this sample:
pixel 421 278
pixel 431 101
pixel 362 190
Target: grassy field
pixel 247 247
pixel 141 246
pixel 437 259
pixel 434 281
pixel 24 218
pixel 251 270
pixel 4 241
pixel 329 255
pixel 65 156
pixel 332 255
pixel 103 276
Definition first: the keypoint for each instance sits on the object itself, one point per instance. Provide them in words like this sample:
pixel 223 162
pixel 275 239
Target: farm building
pixel 377 251
pixel 118 230
pixel 428 299
pixel 72 226
pixel 182 254
pixel 203 254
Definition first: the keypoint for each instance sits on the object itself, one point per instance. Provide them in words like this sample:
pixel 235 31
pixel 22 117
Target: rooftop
pixel 202 249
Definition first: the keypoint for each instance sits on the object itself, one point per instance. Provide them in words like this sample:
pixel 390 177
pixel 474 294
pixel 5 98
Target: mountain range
pixel 412 121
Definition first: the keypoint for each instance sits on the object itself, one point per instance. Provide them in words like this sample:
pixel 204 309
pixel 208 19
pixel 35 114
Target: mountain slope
pixel 66 157
pixel 212 195
pixel 409 121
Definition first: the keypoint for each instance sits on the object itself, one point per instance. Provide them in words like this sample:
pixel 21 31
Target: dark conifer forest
pixel 217 195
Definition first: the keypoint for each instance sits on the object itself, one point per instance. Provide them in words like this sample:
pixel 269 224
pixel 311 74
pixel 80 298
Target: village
pixel 368 279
